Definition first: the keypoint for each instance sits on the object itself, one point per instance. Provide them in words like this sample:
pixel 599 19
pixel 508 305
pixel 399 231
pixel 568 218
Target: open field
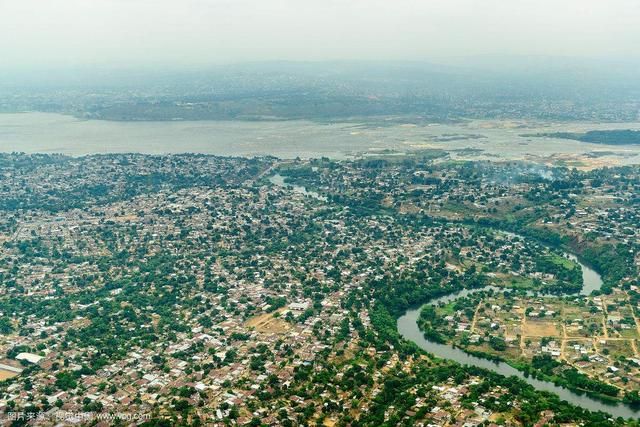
pixel 266 323
pixel 4 375
pixel 541 329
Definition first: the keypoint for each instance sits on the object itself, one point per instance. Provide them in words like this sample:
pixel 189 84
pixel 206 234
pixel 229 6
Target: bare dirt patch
pixel 266 323
pixel 5 375
pixel 541 329
pixel 329 422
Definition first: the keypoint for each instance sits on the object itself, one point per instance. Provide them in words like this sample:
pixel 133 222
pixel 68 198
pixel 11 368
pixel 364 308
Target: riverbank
pixel 408 329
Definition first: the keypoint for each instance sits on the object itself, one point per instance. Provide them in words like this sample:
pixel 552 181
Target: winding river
pixel 408 329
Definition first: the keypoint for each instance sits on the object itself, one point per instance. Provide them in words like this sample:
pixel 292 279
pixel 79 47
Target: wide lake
pixel 55 133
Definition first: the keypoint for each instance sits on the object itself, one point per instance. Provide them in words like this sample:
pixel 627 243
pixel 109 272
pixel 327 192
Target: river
pixel 408 329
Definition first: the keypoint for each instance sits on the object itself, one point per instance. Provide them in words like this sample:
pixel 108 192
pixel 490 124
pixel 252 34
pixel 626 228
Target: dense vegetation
pixel 608 137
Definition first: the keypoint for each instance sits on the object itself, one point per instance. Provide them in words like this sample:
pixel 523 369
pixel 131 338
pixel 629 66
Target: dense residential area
pixel 203 290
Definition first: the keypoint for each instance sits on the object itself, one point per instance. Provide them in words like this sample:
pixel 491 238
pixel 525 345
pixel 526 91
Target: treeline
pixel 613 262
pixel 545 367
pixel 608 137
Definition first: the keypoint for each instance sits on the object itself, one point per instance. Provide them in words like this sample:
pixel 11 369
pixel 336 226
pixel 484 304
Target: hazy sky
pixel 184 32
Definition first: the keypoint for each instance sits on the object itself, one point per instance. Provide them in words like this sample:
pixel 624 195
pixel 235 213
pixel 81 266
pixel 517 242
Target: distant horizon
pixel 452 60
pixel 507 65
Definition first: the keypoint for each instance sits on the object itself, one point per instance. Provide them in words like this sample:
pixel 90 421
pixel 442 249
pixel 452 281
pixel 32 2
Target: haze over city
pixel 65 33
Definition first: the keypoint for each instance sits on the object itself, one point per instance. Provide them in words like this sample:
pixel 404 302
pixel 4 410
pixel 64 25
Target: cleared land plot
pixel 541 328
pixel 618 348
pixel 5 375
pixel 266 323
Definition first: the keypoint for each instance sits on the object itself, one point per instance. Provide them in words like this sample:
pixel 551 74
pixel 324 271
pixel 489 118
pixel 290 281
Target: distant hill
pixel 420 92
pixel 608 137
